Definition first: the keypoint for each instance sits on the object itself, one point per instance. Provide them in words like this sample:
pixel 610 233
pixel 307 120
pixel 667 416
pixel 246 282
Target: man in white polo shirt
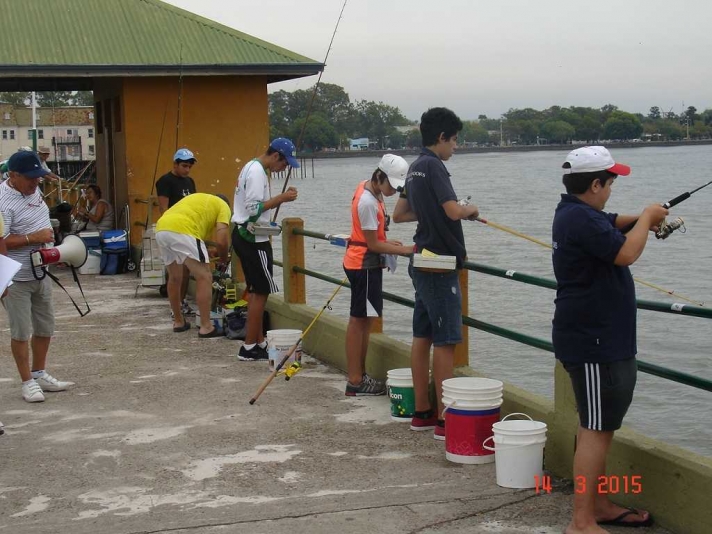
pixel 28 301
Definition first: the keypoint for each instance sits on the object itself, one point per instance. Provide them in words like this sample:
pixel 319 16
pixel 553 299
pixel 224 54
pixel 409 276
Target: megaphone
pixel 72 251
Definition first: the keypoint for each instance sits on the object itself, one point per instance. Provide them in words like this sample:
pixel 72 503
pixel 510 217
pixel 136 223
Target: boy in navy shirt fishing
pixel 594 327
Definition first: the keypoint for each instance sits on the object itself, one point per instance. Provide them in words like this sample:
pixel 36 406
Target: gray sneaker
pixel 369 387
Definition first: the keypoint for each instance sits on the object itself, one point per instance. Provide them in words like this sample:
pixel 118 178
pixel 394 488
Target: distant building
pixel 358 144
pixel 408 128
pixel 68 132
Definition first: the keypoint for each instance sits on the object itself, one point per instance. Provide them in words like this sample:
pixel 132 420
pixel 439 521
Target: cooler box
pixel 93 263
pixel 114 241
pixel 91 239
pixel 112 262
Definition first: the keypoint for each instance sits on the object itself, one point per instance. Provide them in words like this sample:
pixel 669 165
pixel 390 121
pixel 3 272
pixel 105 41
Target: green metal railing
pixel 657 370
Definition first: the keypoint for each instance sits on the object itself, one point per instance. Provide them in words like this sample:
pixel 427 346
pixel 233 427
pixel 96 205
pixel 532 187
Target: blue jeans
pixel 438 306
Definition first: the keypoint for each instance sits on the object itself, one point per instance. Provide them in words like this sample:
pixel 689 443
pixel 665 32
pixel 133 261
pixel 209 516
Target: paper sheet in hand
pixel 391 261
pixel 8 269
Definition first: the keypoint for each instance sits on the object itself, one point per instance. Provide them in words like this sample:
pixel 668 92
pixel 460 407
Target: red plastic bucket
pixel 465 432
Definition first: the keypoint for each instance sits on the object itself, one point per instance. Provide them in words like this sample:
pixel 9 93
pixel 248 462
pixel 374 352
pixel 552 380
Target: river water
pixel 520 190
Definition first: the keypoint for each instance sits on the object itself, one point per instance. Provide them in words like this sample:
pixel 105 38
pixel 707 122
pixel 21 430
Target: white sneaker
pixel 32 392
pixel 49 383
pixel 2 429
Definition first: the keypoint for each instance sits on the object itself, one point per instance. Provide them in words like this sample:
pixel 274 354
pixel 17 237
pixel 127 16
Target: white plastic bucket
pixel 471 408
pixel 449 402
pixel 519 451
pixel 401 393
pixel 279 342
pixel 472 384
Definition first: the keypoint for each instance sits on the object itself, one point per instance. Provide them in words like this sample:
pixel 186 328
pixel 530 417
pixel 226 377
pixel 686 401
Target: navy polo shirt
pixel 427 188
pixel 595 315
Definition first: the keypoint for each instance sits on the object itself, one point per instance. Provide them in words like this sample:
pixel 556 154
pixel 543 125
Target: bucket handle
pixel 516 413
pixel 504 447
pixel 447 407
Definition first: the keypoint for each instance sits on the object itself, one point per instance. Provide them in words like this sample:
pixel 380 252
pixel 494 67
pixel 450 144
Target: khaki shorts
pixel 29 309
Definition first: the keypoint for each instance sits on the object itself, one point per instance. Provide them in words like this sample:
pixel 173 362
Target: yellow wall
pixel 223 121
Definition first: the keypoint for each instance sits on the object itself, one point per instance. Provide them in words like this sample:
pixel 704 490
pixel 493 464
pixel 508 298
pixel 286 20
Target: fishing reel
pixel 667 228
pixel 292 370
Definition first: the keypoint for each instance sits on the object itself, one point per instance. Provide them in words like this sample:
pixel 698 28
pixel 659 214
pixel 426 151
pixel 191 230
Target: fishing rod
pixel 667 228
pixel 516 233
pixel 294 347
pixel 311 105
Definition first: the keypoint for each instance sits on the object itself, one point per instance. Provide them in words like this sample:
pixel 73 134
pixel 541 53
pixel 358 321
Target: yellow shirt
pixel 195 215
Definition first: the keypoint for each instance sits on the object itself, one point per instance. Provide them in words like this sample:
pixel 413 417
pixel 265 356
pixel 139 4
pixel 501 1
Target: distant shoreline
pixel 506 149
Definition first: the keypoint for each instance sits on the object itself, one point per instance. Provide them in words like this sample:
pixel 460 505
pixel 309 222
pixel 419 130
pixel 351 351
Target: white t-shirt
pixel 251 191
pixel 368 211
pixel 23 215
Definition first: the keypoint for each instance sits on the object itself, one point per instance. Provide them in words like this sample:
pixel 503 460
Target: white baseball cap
pixel 592 159
pixel 395 168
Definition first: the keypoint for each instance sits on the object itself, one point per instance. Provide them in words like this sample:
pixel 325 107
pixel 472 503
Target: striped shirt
pixel 23 215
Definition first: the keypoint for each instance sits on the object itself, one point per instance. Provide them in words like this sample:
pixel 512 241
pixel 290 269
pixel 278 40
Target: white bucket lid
pixel 519 427
pixel 473 383
pixel 405 372
pixel 484 404
pixel 284 332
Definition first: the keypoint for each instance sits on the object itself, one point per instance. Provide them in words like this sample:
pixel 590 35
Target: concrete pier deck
pixel 157 436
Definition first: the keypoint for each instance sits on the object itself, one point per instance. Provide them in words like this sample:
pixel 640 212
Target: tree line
pixel 563 125
pixel 334 119
pixel 49 99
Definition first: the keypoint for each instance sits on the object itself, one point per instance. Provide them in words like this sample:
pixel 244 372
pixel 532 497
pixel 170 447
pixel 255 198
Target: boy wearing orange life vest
pixel 364 268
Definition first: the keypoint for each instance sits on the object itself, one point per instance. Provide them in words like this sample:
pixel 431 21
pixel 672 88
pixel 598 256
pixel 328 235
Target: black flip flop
pixel 618 521
pixel 215 332
pixel 186 326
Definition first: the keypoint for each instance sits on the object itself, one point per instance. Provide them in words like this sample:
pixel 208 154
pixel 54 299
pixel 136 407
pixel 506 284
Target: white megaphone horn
pixel 72 251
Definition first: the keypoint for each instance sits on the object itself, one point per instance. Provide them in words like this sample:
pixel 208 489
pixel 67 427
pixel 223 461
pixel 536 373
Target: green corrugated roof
pixel 101 37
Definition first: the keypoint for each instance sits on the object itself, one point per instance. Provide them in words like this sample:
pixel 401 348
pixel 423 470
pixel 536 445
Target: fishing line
pixel 547 245
pixel 311 105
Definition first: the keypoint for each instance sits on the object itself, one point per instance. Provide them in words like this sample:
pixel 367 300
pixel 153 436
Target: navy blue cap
pixel 285 147
pixel 26 163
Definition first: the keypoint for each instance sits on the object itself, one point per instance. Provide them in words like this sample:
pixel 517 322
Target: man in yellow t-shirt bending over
pixel 181 233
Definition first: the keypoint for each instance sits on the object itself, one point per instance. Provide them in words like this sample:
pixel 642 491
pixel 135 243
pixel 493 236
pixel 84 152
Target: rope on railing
pixel 543 344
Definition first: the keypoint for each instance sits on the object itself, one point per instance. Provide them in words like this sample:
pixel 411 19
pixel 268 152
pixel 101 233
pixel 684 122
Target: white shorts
pixel 176 248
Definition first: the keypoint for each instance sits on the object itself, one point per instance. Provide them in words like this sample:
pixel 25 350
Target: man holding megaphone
pixel 28 301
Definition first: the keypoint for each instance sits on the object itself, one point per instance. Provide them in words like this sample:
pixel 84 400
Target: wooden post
pixel 462 351
pixel 294 284
pixel 377 325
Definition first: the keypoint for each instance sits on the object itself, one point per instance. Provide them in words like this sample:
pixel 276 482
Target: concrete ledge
pixel 675 481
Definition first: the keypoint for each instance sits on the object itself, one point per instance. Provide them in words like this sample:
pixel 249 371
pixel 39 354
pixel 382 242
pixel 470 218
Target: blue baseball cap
pixel 27 164
pixel 183 154
pixel 285 147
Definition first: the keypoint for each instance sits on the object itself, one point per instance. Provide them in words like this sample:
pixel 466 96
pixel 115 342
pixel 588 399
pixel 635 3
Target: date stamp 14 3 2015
pixel 604 485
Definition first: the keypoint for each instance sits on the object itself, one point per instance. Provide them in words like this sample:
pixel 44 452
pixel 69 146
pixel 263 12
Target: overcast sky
pixel 487 56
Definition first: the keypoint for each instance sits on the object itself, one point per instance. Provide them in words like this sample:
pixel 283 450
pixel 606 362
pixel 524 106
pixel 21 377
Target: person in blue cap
pixel 172 187
pixel 252 207
pixel 177 183
pixel 28 301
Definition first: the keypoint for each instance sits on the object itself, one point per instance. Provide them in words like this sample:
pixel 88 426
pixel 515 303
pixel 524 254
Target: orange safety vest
pixel 357 254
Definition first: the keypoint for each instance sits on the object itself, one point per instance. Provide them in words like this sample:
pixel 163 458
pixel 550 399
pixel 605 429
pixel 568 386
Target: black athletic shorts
pixel 256 260
pixel 366 292
pixel 603 392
